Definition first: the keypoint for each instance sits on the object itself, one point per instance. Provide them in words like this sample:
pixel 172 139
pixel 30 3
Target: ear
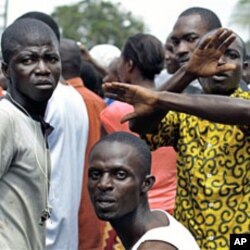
pixel 4 67
pixel 130 65
pixel 245 64
pixel 147 183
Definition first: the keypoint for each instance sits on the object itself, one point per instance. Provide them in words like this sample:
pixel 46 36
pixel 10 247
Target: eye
pixel 53 59
pixel 27 60
pixel 175 42
pixel 232 55
pixel 191 39
pixel 121 174
pixel 169 48
pixel 94 174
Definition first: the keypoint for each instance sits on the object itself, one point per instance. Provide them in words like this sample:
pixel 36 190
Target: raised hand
pixel 204 60
pixel 142 99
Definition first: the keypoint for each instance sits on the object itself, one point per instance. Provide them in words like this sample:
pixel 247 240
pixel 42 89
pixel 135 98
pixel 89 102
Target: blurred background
pixel 112 21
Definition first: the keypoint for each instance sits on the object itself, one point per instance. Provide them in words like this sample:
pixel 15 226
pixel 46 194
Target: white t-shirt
pixel 175 234
pixel 67 113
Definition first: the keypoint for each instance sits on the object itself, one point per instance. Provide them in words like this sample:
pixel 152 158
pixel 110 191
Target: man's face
pixel 122 70
pixel 246 71
pixel 112 74
pixel 34 70
pixel 226 83
pixel 114 181
pixel 185 35
pixel 170 58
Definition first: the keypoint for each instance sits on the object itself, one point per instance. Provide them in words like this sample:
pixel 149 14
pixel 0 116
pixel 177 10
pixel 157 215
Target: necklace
pixel 45 214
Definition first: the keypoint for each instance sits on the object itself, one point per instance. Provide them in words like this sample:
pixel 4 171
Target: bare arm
pixel 148 123
pixel 204 62
pixel 221 109
pixel 215 108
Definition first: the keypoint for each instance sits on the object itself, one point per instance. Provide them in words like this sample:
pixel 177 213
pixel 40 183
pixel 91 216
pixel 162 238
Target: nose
pixel 42 68
pixel 182 49
pixel 167 55
pixel 221 60
pixel 105 182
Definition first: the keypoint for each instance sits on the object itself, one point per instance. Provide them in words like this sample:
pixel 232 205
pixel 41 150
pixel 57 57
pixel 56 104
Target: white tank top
pixel 175 234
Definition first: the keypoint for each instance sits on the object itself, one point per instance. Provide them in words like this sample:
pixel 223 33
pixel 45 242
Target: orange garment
pixel 90 227
pixel 162 194
pixel 1 91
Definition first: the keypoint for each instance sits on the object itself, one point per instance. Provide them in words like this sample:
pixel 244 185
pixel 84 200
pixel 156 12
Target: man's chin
pixel 106 217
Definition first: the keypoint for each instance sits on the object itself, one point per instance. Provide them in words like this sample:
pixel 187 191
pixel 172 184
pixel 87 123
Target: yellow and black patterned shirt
pixel 213 164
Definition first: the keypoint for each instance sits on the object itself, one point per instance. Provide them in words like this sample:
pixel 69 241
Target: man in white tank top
pixel 119 179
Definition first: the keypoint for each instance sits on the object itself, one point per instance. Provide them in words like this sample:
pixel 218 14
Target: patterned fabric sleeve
pixel 243 95
pixel 245 129
pixel 166 133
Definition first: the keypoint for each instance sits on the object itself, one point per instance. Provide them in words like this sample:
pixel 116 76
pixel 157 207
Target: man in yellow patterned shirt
pixel 213 193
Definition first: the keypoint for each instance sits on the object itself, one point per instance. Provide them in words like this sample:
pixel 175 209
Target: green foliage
pixel 97 21
pixel 240 14
pixel 240 17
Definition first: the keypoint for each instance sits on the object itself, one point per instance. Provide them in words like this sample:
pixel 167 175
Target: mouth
pixel 220 77
pixel 46 84
pixel 105 203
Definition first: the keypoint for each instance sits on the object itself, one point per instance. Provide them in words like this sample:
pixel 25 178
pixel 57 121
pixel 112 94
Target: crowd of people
pixel 141 147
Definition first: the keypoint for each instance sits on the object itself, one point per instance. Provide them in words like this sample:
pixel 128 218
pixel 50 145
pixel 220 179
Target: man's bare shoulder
pixel 157 245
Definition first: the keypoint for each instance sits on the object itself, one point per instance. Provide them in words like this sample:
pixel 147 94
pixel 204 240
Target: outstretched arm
pixel 210 107
pixel 204 62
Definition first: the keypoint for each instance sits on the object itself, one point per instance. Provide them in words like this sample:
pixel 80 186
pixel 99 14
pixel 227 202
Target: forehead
pixel 189 24
pixel 112 154
pixel 37 39
pixel 32 47
pixel 237 44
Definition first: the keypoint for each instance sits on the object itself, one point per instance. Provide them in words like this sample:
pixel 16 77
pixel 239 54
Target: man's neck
pixel 131 227
pixel 29 107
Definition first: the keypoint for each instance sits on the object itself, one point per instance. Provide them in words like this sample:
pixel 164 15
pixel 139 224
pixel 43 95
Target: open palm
pixel 142 99
pixel 205 58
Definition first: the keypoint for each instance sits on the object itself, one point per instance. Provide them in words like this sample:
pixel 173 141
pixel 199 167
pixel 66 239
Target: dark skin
pixel 171 63
pixel 115 178
pixel 186 33
pixel 204 62
pixel 246 71
pixel 112 74
pixel 33 71
pixel 210 107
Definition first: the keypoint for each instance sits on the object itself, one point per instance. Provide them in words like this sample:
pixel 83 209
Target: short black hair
pixel 43 18
pixel 91 77
pixel 21 30
pixel 71 58
pixel 147 53
pixel 209 17
pixel 142 149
